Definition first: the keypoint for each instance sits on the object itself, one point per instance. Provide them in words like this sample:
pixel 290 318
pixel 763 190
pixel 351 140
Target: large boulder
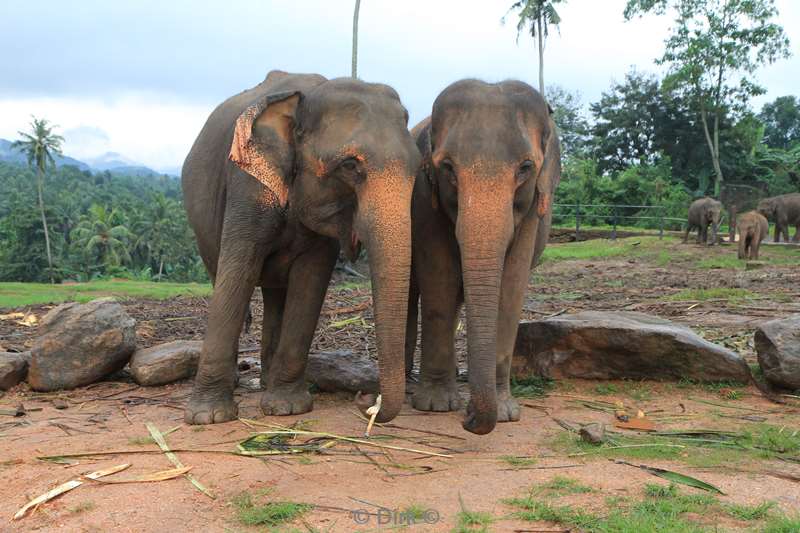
pixel 778 346
pixel 80 344
pixel 342 371
pixel 165 363
pixel 13 368
pixel 619 345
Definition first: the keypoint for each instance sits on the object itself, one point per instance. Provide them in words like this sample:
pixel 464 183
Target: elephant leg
pixel 412 324
pixel 212 397
pixel 686 235
pixel 274 301
pixel 742 252
pixel 702 234
pixel 287 393
pixel 514 288
pixel 796 237
pixel 777 237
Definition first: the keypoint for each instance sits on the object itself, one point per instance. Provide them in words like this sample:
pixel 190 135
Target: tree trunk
pixel 354 62
pixel 40 186
pixel 713 147
pixel 541 55
pixel 160 268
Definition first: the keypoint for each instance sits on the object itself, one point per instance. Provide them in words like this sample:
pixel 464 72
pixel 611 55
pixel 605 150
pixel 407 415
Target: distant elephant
pixel 480 213
pixel 703 213
pixel 752 228
pixel 784 210
pixel 281 177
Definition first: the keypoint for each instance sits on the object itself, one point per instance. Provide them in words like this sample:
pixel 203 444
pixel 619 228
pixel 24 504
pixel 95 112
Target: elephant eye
pixel 447 168
pixel 525 170
pixel 350 164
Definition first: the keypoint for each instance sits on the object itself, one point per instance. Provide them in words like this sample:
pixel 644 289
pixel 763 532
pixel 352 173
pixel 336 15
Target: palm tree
pixel 39 146
pixel 157 230
pixel 539 15
pixel 354 62
pixel 102 235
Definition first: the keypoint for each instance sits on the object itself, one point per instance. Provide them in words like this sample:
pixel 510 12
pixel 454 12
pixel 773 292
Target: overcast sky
pixel 140 77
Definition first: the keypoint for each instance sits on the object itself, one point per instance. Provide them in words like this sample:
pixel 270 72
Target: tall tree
pixel 39 146
pixel 713 52
pixel 536 17
pixel 781 120
pixel 354 59
pixel 103 236
pixel 573 127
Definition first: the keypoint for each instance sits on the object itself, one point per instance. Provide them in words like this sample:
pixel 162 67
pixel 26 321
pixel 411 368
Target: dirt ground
pixel 350 483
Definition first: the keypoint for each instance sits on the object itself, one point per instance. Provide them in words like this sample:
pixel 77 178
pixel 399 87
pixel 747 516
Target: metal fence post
pixel 577 220
pixel 614 222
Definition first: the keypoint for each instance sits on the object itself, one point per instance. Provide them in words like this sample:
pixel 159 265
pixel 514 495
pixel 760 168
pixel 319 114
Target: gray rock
pixel 593 433
pixel 80 344
pixel 619 345
pixel 342 371
pixel 165 363
pixel 13 368
pixel 778 347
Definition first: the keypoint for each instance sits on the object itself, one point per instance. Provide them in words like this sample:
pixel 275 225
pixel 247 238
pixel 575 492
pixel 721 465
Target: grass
pixel 518 461
pixel 717 293
pixel 269 514
pixel 472 521
pixel 600 248
pixel 749 512
pixel 606 389
pixel 14 294
pixel 560 486
pixel 531 387
pixel 782 524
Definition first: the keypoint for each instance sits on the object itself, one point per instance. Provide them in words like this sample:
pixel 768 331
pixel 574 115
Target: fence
pixel 613 215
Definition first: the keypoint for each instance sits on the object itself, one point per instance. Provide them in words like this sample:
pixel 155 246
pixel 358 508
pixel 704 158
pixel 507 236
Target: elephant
pixel 784 210
pixel 281 177
pixel 702 213
pixel 480 214
pixel 753 228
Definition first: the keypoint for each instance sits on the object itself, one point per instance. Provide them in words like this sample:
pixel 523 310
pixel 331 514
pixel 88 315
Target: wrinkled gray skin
pixel 784 211
pixel 703 213
pixel 752 228
pixel 480 215
pixel 281 177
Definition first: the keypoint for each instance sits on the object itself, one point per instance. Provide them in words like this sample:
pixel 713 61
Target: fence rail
pixel 614 214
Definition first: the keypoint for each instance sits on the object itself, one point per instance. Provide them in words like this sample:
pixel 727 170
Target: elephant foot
pixel 507 408
pixel 439 397
pixel 284 400
pixel 208 408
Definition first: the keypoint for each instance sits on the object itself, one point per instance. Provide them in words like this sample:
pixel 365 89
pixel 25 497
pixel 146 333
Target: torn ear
pixel 263 144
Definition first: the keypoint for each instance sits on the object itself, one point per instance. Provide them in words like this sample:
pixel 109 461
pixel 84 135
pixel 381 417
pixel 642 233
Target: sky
pixel 140 77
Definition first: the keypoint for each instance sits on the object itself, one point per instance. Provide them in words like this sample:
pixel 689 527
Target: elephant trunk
pixel 384 222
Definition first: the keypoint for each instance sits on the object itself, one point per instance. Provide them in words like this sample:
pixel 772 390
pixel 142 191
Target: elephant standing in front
pixel 752 228
pixel 784 210
pixel 281 177
pixel 703 213
pixel 480 208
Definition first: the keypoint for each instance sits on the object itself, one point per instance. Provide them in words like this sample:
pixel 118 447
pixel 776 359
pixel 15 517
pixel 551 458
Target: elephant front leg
pixel 274 301
pixel 286 392
pixel 211 401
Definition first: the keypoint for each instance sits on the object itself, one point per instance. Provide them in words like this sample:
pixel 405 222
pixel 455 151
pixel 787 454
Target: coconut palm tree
pixel 39 146
pixel 354 62
pixel 537 16
pixel 103 236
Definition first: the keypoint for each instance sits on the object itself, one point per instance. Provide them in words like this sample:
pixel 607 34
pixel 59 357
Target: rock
pixel 342 371
pixel 593 433
pixel 165 363
pixel 13 369
pixel 778 347
pixel 80 344
pixel 620 345
pixel 59 403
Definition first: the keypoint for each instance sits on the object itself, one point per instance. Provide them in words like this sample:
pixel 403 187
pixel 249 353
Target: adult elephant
pixel 704 212
pixel 784 211
pixel 281 176
pixel 491 162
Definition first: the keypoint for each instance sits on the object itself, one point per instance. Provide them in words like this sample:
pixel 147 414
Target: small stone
pixel 165 363
pixel 593 433
pixel 13 369
pixel 60 403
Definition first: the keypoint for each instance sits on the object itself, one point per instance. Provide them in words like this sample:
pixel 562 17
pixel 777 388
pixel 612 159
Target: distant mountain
pixel 113 162
pixel 9 155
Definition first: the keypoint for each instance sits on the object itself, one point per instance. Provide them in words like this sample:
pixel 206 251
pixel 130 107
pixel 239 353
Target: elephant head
pixel 493 158
pixel 339 154
pixel 768 208
pixel 713 216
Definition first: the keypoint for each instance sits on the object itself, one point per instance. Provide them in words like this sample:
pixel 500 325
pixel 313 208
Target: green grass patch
pixel 518 461
pixel 782 524
pixel 749 512
pixel 606 389
pixel 472 521
pixel 14 294
pixel 718 293
pixel 269 514
pixel 601 248
pixel 531 387
pixel 560 486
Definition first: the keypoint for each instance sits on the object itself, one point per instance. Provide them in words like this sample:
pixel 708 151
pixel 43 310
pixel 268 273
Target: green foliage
pixel 781 120
pixel 101 226
pixel 711 294
pixel 15 294
pixel 531 387
pixel 269 514
pixel 750 512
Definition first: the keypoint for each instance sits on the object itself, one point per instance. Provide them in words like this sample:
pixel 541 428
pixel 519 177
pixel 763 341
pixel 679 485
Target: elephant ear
pixel 263 144
pixel 550 172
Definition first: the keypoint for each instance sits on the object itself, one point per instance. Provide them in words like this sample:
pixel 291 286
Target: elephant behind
pixel 480 213
pixel 784 210
pixel 703 213
pixel 280 178
pixel 752 228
